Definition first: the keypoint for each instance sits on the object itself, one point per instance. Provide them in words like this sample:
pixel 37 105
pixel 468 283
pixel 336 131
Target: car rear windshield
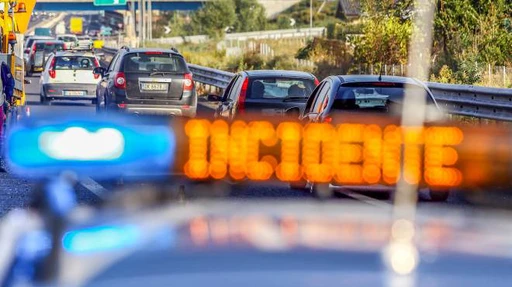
pixel 151 62
pixel 280 88
pixel 375 96
pixel 49 46
pixel 75 63
pixel 67 38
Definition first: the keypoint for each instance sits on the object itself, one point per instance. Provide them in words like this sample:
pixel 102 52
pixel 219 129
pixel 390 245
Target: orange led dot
pixel 197 128
pixel 349 174
pixel 270 160
pixel 288 172
pixel 350 132
pixel 218 170
pixel 260 171
pixel 196 169
pixel 371 174
pixel 450 156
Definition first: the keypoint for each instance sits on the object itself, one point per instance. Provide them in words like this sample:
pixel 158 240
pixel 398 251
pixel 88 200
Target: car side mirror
pixel 99 71
pixel 213 98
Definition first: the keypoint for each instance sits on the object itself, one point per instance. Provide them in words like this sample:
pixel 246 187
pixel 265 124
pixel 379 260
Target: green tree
pixel 386 34
pixel 214 17
pixel 251 16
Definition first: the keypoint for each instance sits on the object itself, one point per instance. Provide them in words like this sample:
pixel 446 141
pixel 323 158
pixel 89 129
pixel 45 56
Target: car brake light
pixel 64 47
pixel 188 83
pixel 120 81
pixel 96 64
pixel 383 84
pixel 153 53
pixel 317 82
pixel 51 70
pixel 121 105
pixel 243 95
pixel 327 120
pixel 34 49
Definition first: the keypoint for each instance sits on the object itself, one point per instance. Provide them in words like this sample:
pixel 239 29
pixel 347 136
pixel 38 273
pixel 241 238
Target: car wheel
pixel 94 101
pixel 43 100
pixel 29 72
pixel 439 195
pixel 322 190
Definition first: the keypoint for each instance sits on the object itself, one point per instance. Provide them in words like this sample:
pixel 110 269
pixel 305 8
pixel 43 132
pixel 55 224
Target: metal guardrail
pixel 465 100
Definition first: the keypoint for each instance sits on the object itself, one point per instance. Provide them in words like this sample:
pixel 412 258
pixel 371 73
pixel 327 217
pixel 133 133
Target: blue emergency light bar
pixel 89 146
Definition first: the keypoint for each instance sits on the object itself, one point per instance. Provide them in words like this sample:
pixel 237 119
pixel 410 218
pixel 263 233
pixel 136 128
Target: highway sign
pixel 109 2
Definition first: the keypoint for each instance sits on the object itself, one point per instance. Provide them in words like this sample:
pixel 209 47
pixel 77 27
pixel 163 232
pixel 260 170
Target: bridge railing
pixel 465 100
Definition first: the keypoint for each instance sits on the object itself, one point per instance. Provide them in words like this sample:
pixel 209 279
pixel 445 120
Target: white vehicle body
pixel 69 76
pixel 70 40
pixel 85 42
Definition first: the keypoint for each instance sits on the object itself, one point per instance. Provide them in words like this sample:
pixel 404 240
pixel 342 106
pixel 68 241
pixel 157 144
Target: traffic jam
pixel 279 177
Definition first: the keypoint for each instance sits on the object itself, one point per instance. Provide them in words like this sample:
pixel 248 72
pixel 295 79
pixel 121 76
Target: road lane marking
pixel 94 187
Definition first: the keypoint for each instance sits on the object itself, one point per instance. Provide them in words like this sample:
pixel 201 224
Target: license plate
pixel 74 93
pixel 154 86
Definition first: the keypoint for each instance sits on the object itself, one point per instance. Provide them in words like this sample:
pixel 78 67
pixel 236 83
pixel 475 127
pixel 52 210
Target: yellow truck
pixel 76 25
pixel 14 23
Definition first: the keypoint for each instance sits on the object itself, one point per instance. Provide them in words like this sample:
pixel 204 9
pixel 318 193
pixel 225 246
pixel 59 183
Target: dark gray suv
pixel 147 81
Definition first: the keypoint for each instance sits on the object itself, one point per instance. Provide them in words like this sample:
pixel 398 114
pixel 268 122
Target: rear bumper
pixel 61 91
pixel 170 110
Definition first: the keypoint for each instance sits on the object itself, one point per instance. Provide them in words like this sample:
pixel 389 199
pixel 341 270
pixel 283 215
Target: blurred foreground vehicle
pixel 147 81
pixel 270 93
pixel 344 96
pixel 39 53
pixel 68 75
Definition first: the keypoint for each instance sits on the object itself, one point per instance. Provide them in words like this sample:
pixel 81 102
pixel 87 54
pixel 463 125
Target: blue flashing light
pixel 101 239
pixel 90 147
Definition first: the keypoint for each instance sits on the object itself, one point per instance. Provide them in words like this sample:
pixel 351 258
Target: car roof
pixel 142 50
pixel 375 78
pixel 74 53
pixel 48 40
pixel 278 73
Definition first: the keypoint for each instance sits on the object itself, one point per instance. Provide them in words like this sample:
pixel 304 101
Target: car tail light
pixel 64 47
pixel 317 82
pixel 153 53
pixel 96 64
pixel 121 105
pixel 51 70
pixel 243 95
pixel 188 83
pixel 33 49
pixel 327 120
pixel 120 81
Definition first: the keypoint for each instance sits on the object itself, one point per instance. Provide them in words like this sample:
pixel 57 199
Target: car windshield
pixel 49 46
pixel 74 63
pixel 151 62
pixel 376 96
pixel 280 88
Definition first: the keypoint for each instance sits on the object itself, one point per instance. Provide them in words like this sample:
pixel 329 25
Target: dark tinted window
pixel 151 62
pixel 280 88
pixel 75 63
pixel 49 46
pixel 384 97
pixel 67 38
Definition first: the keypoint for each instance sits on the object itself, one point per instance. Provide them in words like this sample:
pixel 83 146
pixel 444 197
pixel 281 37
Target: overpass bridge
pixel 88 5
pixel 273 7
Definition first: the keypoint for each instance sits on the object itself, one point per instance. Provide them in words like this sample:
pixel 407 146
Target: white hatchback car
pixel 68 75
pixel 70 40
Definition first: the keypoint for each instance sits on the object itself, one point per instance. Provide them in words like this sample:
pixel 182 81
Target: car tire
pixel 94 101
pixel 438 195
pixel 322 191
pixel 29 72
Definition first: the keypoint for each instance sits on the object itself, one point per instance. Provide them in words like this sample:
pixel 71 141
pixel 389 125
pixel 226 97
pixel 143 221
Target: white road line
pixel 94 187
pixel 368 200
